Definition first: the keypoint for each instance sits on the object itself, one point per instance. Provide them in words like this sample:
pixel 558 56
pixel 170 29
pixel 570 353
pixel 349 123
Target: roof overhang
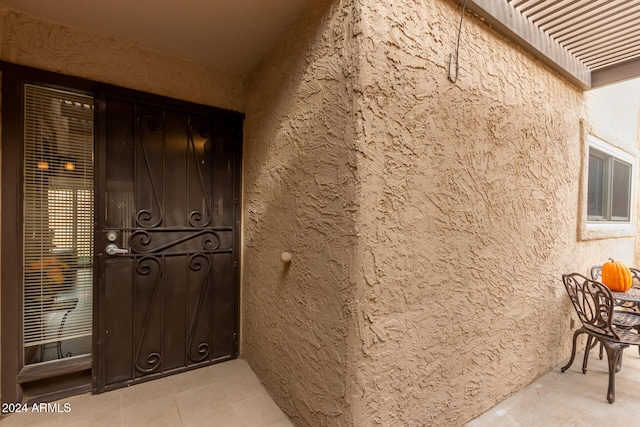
pixel 228 35
pixel 569 36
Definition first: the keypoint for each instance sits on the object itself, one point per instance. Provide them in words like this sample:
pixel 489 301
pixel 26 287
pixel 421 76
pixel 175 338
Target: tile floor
pixel 227 395
pixel 573 398
pixel 230 395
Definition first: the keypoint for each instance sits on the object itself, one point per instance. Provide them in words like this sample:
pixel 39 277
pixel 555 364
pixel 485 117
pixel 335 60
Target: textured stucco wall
pixel 429 231
pixel 27 40
pixel 468 216
pixel 429 222
pixel 298 196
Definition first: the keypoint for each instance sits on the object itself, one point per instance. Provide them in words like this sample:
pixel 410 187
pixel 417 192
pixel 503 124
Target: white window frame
pixel 599 229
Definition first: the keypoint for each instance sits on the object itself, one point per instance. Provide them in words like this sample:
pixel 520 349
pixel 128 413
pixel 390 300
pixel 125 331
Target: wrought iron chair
pixel 622 318
pixel 62 306
pixel 594 304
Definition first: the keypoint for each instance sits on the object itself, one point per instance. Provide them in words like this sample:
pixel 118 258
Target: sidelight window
pixel 58 224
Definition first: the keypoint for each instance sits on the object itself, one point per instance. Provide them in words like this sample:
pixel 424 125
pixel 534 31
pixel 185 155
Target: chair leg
pixel 600 354
pixel 619 364
pixel 573 350
pixel 587 349
pixel 614 354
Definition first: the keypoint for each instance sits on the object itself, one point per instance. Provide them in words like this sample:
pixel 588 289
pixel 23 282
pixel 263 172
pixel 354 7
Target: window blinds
pixel 58 216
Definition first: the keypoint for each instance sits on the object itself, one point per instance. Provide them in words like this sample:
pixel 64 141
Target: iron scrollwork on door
pixel 170 189
pixel 154 123
pixel 197 218
pixel 196 264
pixel 176 241
pixel 145 267
pixel 161 234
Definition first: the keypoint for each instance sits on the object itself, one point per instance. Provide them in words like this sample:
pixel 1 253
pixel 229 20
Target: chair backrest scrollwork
pixel 593 303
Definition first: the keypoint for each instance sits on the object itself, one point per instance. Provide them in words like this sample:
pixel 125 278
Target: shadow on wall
pixel 299 186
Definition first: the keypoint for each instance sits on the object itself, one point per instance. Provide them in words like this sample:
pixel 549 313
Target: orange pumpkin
pixel 616 276
pixel 53 269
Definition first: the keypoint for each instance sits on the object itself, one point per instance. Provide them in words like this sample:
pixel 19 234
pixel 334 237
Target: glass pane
pixel 58 224
pixel 595 196
pixel 621 191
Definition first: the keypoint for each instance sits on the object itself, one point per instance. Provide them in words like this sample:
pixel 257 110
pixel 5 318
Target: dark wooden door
pixel 167 239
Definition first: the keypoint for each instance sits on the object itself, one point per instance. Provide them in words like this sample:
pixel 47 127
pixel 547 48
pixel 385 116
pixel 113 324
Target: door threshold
pixel 54 368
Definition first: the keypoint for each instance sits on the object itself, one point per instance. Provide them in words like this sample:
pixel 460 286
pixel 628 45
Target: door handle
pixel 112 249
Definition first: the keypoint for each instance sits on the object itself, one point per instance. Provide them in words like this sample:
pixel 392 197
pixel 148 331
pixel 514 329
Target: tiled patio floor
pixel 573 398
pixel 226 394
pixel 230 395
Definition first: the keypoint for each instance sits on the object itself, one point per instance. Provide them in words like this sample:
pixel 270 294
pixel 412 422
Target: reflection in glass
pixel 58 224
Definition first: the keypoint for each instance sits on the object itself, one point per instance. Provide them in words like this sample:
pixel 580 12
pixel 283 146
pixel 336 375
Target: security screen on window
pixel 609 188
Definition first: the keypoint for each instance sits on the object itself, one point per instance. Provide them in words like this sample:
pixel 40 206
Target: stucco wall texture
pixel 299 197
pixel 430 222
pixel 468 216
pixel 31 41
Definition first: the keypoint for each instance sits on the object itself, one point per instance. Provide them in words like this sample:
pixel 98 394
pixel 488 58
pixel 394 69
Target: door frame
pixel 72 376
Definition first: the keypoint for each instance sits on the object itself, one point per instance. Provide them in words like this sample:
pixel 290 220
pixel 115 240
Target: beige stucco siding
pixel 464 205
pixel 429 221
pixel 468 214
pixel 299 183
pixel 30 41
